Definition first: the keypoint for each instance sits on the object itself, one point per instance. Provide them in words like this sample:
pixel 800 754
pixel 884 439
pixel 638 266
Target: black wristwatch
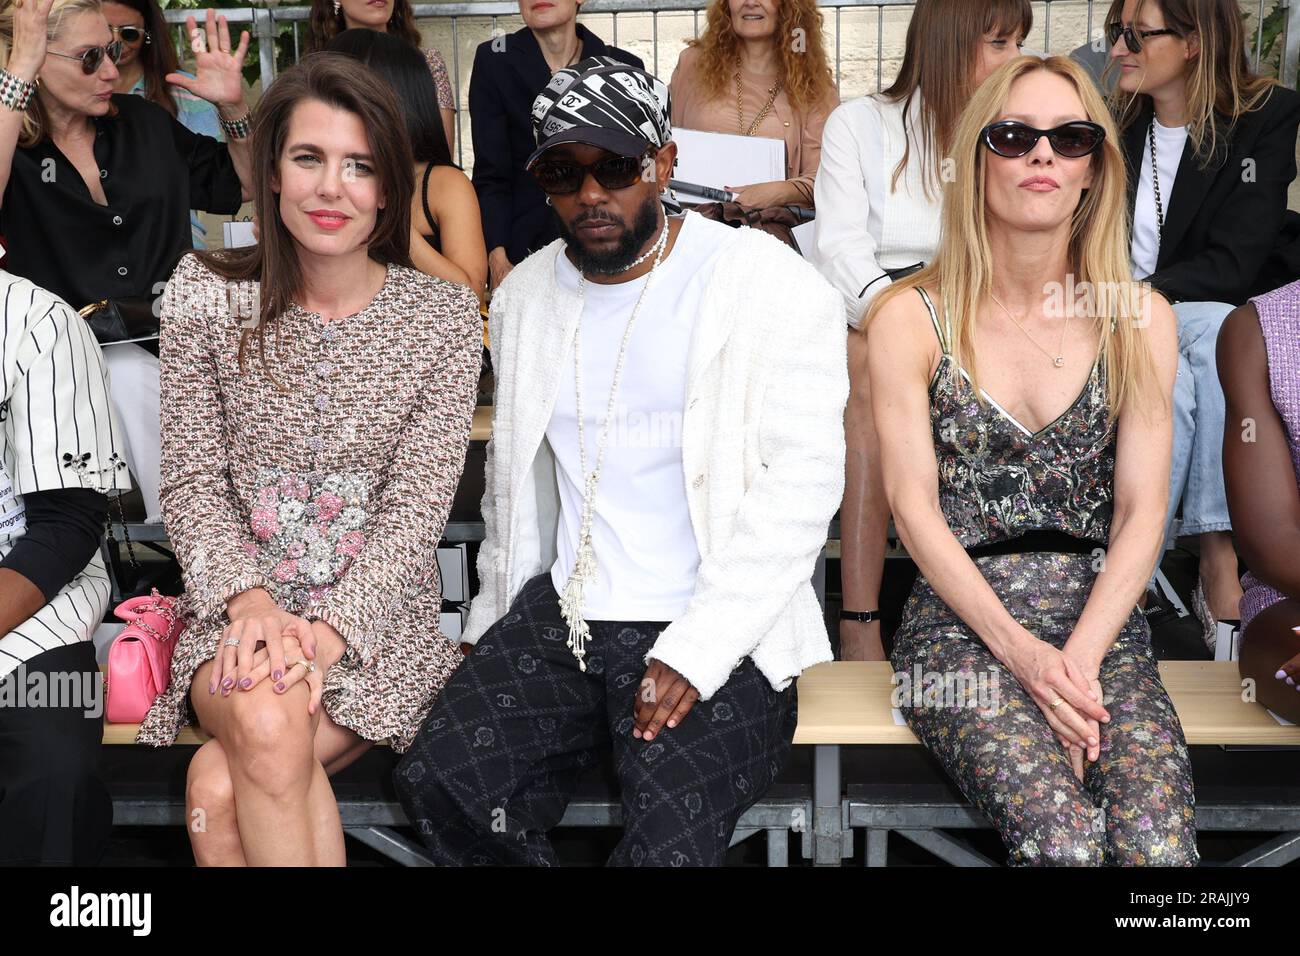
pixel 863 616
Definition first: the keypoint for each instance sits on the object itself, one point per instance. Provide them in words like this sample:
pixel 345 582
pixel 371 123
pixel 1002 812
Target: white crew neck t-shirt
pixel 1169 153
pixel 646 553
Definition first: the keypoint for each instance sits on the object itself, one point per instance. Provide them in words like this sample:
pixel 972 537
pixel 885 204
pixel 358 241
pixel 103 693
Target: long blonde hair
pixel 805 72
pixel 1098 256
pixel 34 121
pixel 1219 79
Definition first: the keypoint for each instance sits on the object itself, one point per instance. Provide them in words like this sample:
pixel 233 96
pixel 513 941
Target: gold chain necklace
pixel 772 94
pixel 1059 358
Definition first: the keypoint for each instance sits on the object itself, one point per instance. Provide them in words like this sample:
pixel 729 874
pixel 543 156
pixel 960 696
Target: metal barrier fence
pixel 481 19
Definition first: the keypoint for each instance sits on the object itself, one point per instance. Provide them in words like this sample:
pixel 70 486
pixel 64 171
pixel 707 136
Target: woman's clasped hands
pixel 265 641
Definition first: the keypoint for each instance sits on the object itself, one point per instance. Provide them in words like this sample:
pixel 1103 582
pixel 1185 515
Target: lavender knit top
pixel 1279 319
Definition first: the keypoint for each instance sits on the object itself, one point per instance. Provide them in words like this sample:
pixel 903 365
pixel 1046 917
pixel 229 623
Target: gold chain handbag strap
pixel 163 608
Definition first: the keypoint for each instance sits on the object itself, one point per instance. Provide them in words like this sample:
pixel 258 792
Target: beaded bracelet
pixel 15 92
pixel 241 128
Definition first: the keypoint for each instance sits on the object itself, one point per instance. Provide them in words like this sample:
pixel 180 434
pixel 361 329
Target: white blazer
pixel 762 455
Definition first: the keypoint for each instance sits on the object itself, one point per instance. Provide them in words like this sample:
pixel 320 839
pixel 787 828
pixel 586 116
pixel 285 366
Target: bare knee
pixel 207 782
pixel 269 745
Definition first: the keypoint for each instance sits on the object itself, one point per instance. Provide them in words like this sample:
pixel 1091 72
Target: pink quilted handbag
pixel 140 658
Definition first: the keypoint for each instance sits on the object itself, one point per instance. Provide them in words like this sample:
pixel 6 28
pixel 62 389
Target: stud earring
pixel 338 7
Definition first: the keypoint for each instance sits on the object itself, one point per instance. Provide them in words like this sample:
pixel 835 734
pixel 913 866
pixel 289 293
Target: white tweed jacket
pixel 762 455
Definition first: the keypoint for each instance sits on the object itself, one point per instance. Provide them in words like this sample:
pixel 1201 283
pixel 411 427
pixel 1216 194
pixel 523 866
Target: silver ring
pixel 232 642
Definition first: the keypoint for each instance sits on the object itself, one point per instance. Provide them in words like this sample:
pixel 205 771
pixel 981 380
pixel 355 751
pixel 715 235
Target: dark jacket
pixel 1227 233
pixel 502 87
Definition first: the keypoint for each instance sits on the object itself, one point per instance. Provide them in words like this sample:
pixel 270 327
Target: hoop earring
pixel 548 201
pixel 338 7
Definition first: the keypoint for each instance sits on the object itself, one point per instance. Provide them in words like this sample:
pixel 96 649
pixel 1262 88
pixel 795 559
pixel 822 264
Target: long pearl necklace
pixel 584 565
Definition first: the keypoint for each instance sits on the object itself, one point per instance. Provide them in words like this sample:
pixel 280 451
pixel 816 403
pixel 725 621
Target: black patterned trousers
pixel 500 754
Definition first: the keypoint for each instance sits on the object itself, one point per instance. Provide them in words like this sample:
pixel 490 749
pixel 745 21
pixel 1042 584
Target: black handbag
pixel 122 320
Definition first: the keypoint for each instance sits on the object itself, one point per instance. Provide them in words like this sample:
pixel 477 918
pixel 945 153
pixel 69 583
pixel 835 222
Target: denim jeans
pixel 1196 474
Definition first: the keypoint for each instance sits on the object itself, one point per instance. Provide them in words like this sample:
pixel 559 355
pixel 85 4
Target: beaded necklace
pixel 584 565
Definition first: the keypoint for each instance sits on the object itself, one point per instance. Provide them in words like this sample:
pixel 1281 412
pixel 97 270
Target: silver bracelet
pixel 241 128
pixel 15 92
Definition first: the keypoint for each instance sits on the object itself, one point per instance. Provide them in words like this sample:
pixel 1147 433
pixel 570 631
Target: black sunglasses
pixel 1012 138
pixel 1132 38
pixel 131 34
pixel 92 58
pixel 563 177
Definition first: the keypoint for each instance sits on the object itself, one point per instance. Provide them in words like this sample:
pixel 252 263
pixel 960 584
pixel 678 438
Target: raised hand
pixel 218 69
pixel 31 29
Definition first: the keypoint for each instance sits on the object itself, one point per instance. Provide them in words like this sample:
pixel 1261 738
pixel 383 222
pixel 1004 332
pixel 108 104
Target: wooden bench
pixel 848 703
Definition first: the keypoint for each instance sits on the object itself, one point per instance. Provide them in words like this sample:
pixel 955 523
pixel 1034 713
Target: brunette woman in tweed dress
pixel 317 400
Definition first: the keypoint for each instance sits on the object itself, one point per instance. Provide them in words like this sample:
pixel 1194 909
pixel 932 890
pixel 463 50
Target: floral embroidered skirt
pixel 386 699
pixel 305 531
pixel 1133 807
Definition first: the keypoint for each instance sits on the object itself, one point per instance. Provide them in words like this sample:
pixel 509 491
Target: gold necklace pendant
pixel 1058 359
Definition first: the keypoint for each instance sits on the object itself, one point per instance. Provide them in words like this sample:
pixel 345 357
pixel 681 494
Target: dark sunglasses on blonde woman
pixel 1012 138
pixel 92 58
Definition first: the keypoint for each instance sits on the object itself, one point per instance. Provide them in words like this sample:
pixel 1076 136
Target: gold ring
pixel 1057 703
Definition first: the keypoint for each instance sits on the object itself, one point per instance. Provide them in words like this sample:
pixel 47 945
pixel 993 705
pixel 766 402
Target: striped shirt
pixel 57 431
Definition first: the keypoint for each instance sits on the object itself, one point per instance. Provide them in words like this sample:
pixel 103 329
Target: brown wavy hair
pixel 158 56
pixel 943 43
pixel 1220 83
pixel 805 75
pixel 323 24
pixel 346 83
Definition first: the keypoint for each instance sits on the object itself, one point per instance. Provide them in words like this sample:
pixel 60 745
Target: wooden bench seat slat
pixel 848 702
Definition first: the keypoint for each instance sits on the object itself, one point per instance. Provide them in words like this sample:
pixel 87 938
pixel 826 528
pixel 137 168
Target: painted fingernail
pixel 212 687
pixel 279 686
pixel 1280 675
pixel 228 683
pixel 246 683
pixel 1291 681
pixel 277 675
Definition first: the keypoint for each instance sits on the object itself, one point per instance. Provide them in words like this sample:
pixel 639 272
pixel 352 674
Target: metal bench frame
pixel 372 823
pixel 925 824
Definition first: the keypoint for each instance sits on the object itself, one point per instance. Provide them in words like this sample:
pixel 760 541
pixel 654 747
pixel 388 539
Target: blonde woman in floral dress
pixel 317 399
